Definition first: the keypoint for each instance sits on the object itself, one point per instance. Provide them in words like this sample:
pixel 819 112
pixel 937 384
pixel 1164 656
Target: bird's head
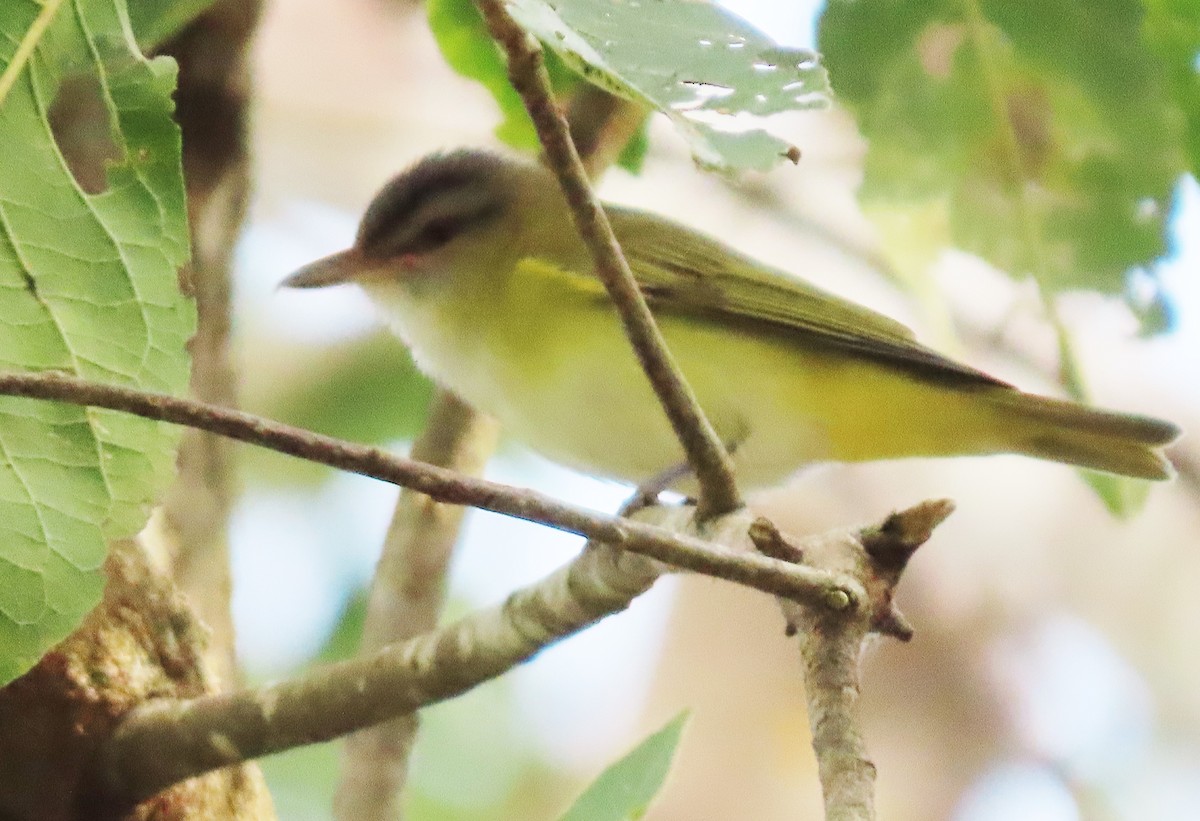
pixel 449 218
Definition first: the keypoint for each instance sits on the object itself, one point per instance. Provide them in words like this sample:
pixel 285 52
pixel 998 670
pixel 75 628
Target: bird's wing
pixel 680 269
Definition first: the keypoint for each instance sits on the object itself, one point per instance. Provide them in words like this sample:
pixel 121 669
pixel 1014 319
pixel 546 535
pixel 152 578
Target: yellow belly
pixel 553 365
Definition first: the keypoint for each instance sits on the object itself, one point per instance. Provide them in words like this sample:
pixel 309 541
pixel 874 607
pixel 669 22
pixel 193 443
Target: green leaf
pixel 633 155
pixel 1124 497
pixel 1172 30
pixel 156 21
pixel 88 285
pixel 345 640
pixel 365 390
pixel 624 791
pixel 464 41
pixel 695 62
pixel 1045 130
pixel 303 780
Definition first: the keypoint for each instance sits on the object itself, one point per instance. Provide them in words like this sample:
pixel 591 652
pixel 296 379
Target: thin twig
pixel 831 642
pixel 163 742
pixel 407 594
pixel 704 449
pixel 760 572
pixel 830 649
pixel 212 98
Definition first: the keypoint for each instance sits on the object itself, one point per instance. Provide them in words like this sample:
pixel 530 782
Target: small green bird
pixel 473 260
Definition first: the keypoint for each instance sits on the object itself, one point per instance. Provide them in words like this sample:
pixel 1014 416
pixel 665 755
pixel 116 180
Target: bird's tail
pixel 1113 442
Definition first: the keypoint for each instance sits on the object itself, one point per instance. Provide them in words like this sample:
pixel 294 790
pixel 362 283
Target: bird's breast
pixel 553 365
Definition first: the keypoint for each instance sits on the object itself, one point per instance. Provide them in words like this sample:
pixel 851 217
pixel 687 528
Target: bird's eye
pixel 437 233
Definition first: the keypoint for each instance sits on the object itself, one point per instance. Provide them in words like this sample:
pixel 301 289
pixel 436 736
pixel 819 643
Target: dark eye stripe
pixel 435 234
pixel 400 201
pixel 403 199
pixel 427 233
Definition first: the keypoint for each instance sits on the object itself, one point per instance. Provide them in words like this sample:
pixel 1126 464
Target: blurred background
pixel 1054 674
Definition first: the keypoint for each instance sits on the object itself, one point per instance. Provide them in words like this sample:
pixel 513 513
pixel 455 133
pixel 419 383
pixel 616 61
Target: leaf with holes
pixel 1043 137
pixel 1045 132
pixel 696 62
pixel 88 264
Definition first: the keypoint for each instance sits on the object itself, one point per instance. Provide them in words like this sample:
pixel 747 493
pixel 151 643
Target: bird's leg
pixel 647 492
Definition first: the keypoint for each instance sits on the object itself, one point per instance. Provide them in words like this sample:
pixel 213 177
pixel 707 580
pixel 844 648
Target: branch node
pixel 838 599
pixel 893 623
pixel 769 541
pixel 892 544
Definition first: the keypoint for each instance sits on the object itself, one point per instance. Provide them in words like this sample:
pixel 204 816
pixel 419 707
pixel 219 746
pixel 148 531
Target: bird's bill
pixel 344 266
